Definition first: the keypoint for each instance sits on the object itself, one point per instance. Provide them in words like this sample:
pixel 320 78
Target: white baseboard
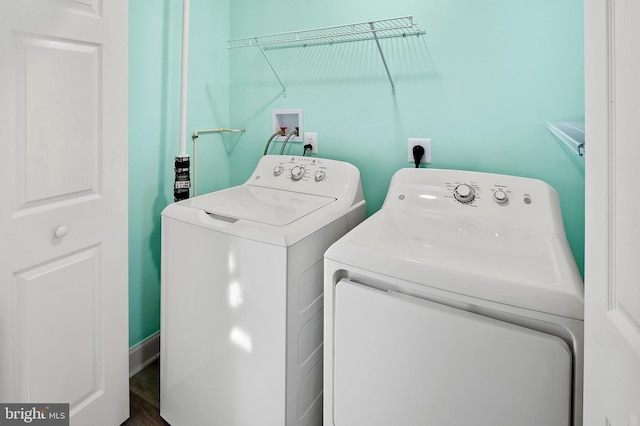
pixel 144 353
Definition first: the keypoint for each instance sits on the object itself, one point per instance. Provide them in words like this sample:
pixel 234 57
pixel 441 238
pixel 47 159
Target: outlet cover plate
pixel 311 138
pixel 426 144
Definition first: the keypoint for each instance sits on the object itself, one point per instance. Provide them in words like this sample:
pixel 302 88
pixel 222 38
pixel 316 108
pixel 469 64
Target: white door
pixel 63 213
pixel 612 261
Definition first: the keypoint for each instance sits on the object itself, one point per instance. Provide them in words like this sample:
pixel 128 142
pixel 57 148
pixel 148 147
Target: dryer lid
pixel 258 204
pixel 508 247
pixel 522 268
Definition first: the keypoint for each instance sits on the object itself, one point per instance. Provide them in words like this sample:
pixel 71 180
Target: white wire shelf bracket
pixel 361 31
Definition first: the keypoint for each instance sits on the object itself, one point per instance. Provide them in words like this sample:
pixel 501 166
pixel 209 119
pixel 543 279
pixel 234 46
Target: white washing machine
pixel 242 305
pixel 458 303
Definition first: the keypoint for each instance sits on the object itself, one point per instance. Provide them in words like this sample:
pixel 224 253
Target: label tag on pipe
pixel 182 181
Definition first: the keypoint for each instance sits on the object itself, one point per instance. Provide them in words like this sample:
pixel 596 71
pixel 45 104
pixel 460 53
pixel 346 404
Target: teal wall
pixel 481 83
pixel 155 40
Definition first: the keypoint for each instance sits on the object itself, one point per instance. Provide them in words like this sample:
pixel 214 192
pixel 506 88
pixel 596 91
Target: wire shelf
pixel 361 31
pixel 570 133
pixel 383 28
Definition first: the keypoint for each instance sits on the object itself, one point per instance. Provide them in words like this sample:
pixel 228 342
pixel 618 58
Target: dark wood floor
pixel 144 397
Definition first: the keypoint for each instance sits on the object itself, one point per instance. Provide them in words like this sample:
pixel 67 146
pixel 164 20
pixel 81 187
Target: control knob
pixel 464 193
pixel 297 172
pixel 277 170
pixel 319 175
pixel 500 196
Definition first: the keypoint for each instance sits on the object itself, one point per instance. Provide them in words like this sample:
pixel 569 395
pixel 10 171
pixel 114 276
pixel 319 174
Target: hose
pixel 279 132
pixel 295 132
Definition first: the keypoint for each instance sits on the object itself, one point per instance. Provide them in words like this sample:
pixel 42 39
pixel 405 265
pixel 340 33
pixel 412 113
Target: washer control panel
pixel 300 168
pixel 298 172
pixel 310 175
pixel 277 170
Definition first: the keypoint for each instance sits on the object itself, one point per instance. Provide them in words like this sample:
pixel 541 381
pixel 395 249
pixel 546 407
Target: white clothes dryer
pixel 242 306
pixel 457 303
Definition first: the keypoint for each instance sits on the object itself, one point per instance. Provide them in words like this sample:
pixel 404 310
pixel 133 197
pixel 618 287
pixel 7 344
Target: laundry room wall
pixel 155 38
pixel 482 82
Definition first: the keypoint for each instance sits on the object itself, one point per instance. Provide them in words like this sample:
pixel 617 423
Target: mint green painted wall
pixel 155 37
pixel 481 83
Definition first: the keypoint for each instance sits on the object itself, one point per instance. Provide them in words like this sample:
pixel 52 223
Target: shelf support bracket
pixel 284 89
pixel 384 62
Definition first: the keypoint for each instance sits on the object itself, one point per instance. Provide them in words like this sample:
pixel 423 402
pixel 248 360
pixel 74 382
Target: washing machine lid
pixel 258 204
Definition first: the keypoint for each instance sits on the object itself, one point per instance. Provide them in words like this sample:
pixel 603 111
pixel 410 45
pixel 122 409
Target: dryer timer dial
pixel 464 193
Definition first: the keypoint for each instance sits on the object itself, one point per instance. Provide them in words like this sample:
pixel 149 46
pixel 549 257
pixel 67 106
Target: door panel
pixel 57 103
pixel 612 270
pixel 85 6
pixel 63 218
pixel 59 329
pixel 624 293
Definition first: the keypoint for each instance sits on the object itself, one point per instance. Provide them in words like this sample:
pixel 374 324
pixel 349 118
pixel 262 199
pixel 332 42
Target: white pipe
pixel 218 130
pixel 185 78
pixel 195 140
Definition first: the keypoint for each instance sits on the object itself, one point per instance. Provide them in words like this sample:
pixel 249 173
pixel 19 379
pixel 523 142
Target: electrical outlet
pixel 312 139
pixel 426 144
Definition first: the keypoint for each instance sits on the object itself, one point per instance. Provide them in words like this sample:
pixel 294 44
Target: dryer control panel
pixel 484 197
pixel 467 192
pixel 310 175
